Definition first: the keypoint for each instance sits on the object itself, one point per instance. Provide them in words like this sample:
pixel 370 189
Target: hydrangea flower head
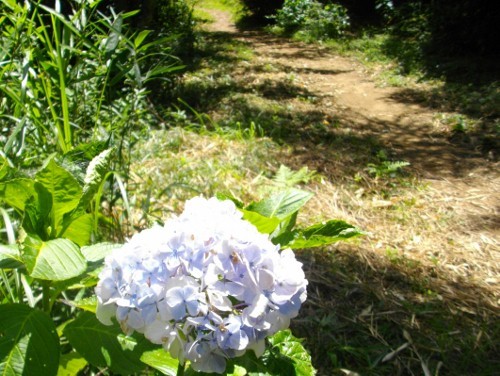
pixel 207 285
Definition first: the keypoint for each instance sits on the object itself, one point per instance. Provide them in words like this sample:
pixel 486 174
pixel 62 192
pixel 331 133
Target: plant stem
pixel 46 296
pixel 180 369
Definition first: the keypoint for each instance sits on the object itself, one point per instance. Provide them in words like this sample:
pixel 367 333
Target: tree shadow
pixel 344 142
pixel 430 151
pixel 489 222
pixel 217 47
pixel 205 95
pixel 482 106
pixel 347 143
pixel 376 316
pixel 471 86
pixel 318 140
pixel 278 67
pixel 416 53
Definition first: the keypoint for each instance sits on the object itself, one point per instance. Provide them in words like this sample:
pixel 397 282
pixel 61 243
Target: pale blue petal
pixel 178 312
pixel 192 307
pixel 175 296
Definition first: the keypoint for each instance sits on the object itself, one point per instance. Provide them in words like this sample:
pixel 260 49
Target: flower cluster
pixel 207 285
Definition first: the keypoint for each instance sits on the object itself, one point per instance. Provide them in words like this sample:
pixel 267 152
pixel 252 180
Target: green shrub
pixel 175 18
pixel 465 27
pixel 446 27
pixel 323 22
pixel 312 19
pixel 293 14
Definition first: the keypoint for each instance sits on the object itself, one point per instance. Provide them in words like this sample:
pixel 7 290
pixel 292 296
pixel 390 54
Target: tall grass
pixel 68 80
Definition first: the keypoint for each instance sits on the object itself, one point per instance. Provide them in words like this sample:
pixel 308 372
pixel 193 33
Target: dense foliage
pixel 444 27
pixel 465 27
pixel 71 80
pixel 313 19
pixel 262 8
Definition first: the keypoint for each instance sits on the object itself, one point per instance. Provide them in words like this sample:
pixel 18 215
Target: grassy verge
pixel 177 164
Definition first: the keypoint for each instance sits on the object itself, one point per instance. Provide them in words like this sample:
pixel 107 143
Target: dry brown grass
pixel 435 229
pixel 425 268
pixel 175 165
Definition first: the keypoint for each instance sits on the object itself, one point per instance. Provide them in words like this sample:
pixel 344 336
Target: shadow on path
pixel 302 85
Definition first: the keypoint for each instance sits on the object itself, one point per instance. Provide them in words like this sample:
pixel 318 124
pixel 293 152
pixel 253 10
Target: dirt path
pixel 346 97
pixel 344 90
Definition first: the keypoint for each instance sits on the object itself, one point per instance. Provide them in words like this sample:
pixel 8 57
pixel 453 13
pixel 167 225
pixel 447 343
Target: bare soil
pixel 459 204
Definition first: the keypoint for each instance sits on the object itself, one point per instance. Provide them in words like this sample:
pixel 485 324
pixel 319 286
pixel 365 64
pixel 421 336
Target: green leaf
pixel 85 281
pixel 324 234
pixel 104 346
pixel 87 304
pixel 161 361
pixel 16 134
pixel 54 260
pixel 96 171
pixel 127 342
pixel 10 258
pixel 253 366
pixel 80 230
pixel 16 192
pixel 29 345
pixel 237 371
pixel 282 204
pixel 114 36
pixel 265 225
pixel 285 238
pixel 233 368
pixel 224 197
pixel 63 187
pixel 285 349
pixel 162 70
pixel 5 168
pixel 284 232
pixel 98 252
pixel 285 177
pixel 84 152
pixel 37 213
pixel 284 356
pixel 70 364
pixel 140 37
pixel 333 228
pixel 94 176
